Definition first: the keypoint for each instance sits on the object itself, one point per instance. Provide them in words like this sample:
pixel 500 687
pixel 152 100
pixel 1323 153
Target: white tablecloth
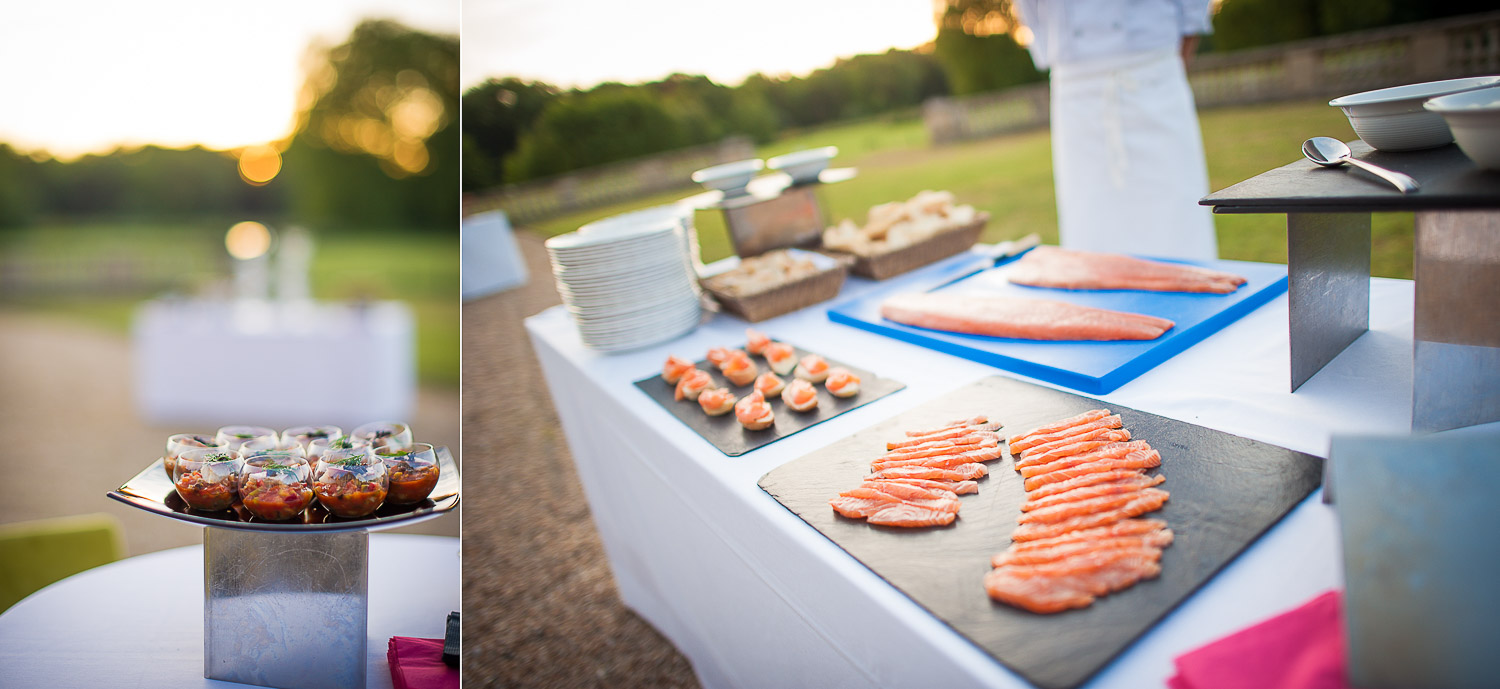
pixel 139 622
pixel 213 362
pixel 754 597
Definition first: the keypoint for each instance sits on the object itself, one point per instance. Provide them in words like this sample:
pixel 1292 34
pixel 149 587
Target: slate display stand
pixel 1456 350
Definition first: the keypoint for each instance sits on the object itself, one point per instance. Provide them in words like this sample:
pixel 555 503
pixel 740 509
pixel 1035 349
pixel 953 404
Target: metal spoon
pixel 1330 152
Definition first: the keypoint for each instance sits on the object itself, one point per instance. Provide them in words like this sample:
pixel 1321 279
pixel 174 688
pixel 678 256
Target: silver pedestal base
pixel 1328 287
pixel 1456 357
pixel 286 610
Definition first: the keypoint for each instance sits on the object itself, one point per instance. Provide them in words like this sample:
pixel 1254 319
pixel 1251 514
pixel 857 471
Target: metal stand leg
pixel 1328 266
pixel 286 610
pixel 1456 347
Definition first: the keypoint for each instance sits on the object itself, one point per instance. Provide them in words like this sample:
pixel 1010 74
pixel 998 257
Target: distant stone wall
pixel 539 200
pixel 1317 68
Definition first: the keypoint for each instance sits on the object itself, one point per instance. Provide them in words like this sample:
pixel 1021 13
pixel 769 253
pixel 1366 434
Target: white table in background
pixel 139 622
pixel 754 597
pixel 279 364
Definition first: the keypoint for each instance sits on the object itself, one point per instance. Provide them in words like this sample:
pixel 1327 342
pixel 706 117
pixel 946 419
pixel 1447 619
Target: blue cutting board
pixel 1091 367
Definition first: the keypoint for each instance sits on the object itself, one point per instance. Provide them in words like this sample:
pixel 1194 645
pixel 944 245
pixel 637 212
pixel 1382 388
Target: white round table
pixel 139 622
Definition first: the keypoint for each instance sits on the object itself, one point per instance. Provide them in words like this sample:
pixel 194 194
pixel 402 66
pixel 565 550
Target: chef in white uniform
pixel 1127 155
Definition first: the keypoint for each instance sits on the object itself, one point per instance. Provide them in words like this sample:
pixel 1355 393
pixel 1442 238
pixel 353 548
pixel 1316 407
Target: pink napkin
pixel 418 664
pixel 1300 649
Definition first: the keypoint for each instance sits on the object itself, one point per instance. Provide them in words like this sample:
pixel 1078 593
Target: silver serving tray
pixel 151 491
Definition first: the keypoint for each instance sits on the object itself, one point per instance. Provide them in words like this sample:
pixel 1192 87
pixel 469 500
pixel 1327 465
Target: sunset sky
pixel 584 43
pixel 86 76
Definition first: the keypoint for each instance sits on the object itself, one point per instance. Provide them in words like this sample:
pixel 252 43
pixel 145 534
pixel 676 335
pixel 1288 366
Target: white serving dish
pixel 729 177
pixel 1393 119
pixel 804 166
pixel 1474 118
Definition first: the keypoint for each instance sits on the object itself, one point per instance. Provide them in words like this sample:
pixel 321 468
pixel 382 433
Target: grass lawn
pixel 185 256
pixel 1011 177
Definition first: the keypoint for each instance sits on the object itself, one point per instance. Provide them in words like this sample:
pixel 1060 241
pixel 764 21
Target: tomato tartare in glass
pixel 393 434
pixel 413 472
pixel 206 478
pixel 257 437
pixel 183 442
pixel 274 486
pixel 351 482
pixel 302 436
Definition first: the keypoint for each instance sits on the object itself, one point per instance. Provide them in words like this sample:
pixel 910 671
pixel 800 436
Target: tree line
pixel 517 130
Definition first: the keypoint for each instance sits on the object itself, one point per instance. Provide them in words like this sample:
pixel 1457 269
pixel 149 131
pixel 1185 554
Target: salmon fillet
pixel 1055 426
pixel 1020 318
pixel 912 516
pixel 906 491
pixel 1050 266
pixel 936 450
pixel 858 508
pixel 1115 435
pixel 1018 555
pixel 1135 460
pixel 1085 562
pixel 940 504
pixel 1030 441
pixel 1056 594
pixel 1079 508
pixel 1110 451
pixel 962 472
pixel 1147 500
pixel 1127 485
pixel 1069 450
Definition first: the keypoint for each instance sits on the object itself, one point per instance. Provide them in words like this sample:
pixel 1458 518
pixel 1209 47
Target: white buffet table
pixel 755 597
pixel 139 622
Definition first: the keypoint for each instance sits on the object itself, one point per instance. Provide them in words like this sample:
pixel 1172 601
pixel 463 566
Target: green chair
pixel 36 553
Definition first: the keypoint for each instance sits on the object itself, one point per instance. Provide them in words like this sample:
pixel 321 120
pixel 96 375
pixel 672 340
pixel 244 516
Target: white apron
pixel 1127 158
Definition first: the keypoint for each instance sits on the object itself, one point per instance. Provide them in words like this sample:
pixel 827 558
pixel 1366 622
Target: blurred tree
pixel 977 47
pixel 1242 24
pixel 495 114
pixel 612 122
pixel 18 194
pixel 377 141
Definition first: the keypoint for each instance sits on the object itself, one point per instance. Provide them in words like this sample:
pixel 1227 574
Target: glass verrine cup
pixel 236 436
pixel 207 478
pixel 350 482
pixel 183 442
pixel 302 436
pixel 413 472
pixel 276 486
pixel 318 446
pixel 390 433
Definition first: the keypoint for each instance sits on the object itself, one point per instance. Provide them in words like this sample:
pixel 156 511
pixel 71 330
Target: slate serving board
pixel 1225 492
pixel 1092 367
pixel 726 433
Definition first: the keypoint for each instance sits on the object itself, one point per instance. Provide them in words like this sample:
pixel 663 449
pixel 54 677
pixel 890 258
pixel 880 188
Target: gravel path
pixel 540 606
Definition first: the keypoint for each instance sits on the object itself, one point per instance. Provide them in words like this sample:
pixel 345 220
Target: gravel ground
pixel 540 605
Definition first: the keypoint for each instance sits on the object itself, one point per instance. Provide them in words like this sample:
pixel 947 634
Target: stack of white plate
pixel 627 284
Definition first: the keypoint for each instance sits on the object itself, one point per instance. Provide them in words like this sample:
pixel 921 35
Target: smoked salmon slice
pixel 1147 459
pixel 1017 555
pixel 957 423
pixel 912 516
pixel 1147 500
pixel 906 491
pixel 1076 482
pixel 1050 266
pixel 1054 514
pixel 1056 594
pixel 957 487
pixel 1055 426
pixel 1119 529
pixel 1069 450
pixel 944 434
pixel 960 436
pixel 1127 485
pixel 1110 451
pixel 1035 439
pixel 1020 318
pixel 962 472
pixel 942 447
pixel 1105 434
pixel 944 461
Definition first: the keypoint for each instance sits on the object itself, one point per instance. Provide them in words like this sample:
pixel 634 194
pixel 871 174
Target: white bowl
pixel 1474 118
pixel 729 177
pixel 804 166
pixel 1393 119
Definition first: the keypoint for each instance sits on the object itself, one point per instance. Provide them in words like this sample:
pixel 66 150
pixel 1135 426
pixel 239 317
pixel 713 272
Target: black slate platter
pixel 1226 492
pixel 726 433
